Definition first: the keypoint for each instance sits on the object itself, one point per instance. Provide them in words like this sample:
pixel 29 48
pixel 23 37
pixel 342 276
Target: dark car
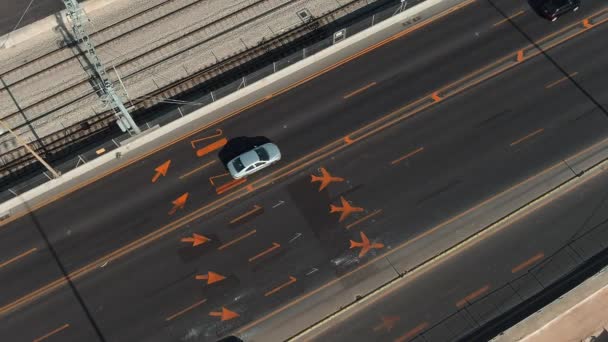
pixel 553 9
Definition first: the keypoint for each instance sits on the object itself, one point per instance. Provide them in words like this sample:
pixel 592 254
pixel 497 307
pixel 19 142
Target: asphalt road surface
pixel 123 246
pixel 12 10
pixel 529 253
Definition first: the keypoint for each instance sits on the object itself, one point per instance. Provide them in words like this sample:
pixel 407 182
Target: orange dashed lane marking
pixel 61 328
pixel 538 131
pixel 280 287
pixel 435 96
pixel 528 262
pixel 360 90
pixel 552 84
pixel 232 242
pixel 197 169
pixel 179 313
pixel 255 209
pixel 412 333
pixel 269 250
pixel 509 18
pixel 472 296
pixel 22 255
pixel 364 218
pixel 416 151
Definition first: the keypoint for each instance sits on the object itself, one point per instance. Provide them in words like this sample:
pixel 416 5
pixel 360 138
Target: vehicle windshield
pixel 238 165
pixel 263 154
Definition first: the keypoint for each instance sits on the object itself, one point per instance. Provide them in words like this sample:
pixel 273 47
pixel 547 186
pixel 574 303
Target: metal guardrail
pixel 161 109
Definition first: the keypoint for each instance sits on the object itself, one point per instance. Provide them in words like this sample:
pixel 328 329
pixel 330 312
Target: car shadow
pixel 239 145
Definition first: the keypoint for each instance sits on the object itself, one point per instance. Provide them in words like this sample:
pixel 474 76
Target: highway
pixel 122 243
pixel 529 252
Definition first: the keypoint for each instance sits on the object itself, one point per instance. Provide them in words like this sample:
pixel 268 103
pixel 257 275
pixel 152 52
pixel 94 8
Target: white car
pixel 254 160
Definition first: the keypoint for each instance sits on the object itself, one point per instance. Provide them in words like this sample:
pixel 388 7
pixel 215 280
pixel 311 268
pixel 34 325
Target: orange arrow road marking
pixel 435 96
pixel 388 323
pixel 365 245
pixel 274 246
pixel 225 314
pixel 185 310
pixel 210 277
pixel 216 145
pixel 325 178
pixel 179 203
pixel 346 209
pixel 255 209
pixel 161 170
pixel 218 134
pixel 587 24
pixel 280 287
pixel 196 239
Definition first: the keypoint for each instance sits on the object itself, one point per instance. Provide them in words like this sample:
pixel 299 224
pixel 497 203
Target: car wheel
pixel 554 19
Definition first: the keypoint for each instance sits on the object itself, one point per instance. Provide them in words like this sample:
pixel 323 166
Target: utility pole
pixel 98 72
pixel 27 147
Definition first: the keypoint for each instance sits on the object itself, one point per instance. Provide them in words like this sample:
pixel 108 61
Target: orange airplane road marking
pixel 186 310
pixel 365 245
pixel 61 328
pixel 346 209
pixel 210 277
pixel 274 246
pixel 388 323
pixel 280 287
pixel 325 179
pixel 255 209
pixel 196 239
pixel 472 296
pixel 161 170
pixel 179 203
pixel 528 262
pixel 13 259
pixel 228 244
pixel 225 314
pixel 320 153
pixel 412 333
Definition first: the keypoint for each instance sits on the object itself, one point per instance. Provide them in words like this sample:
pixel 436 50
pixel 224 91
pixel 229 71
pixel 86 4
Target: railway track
pixel 17 159
pixel 76 89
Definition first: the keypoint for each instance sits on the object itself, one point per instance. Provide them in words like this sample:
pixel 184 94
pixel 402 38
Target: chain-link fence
pixel 175 109
pixel 557 273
